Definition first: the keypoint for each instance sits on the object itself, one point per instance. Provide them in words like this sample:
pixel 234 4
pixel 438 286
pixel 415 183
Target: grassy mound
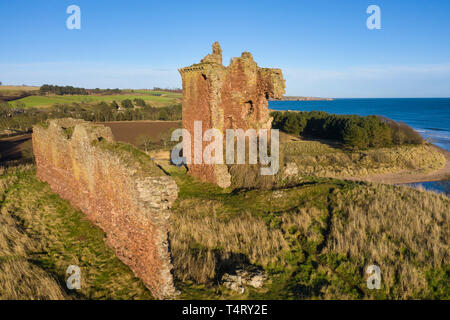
pixel 326 159
pixel 315 240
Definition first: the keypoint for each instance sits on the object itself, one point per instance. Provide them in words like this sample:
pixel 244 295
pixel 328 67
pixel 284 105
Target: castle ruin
pixel 122 190
pixel 233 97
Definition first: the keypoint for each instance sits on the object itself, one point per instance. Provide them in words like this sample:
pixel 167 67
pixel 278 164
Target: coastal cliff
pixel 301 98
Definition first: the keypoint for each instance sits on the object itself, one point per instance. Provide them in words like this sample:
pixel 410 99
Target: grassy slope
pixel 315 240
pixel 45 235
pixel 327 160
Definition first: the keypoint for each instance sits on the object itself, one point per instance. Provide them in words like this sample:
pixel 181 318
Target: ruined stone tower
pixel 233 97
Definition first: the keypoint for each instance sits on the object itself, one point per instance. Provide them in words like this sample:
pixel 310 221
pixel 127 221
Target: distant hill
pixel 300 98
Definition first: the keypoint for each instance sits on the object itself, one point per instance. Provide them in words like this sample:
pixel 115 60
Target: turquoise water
pixel 429 116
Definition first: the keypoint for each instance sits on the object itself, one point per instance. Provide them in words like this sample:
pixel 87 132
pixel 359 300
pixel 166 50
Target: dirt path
pixel 410 177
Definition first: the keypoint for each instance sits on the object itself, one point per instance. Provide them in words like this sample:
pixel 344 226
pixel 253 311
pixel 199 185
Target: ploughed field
pixel 19 148
pixel 135 132
pixel 16 149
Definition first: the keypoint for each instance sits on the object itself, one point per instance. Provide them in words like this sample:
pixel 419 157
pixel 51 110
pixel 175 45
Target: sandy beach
pixel 410 177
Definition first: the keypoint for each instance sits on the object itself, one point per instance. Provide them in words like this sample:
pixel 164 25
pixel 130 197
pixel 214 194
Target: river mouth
pixel 442 186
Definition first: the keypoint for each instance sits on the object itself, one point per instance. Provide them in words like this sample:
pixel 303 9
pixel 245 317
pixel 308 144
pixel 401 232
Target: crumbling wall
pixel 118 188
pixel 233 97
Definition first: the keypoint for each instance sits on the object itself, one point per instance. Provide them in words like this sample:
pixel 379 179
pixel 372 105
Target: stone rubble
pixel 243 277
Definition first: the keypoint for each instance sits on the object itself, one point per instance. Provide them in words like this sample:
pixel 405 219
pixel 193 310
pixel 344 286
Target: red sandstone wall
pixel 198 94
pixel 128 200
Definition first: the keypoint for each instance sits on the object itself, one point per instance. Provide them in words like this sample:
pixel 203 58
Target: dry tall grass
pixel 20 278
pixel 203 244
pixel 316 240
pixel 308 222
pixel 402 230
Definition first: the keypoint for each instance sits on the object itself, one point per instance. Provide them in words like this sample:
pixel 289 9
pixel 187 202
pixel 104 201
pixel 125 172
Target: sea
pixel 428 116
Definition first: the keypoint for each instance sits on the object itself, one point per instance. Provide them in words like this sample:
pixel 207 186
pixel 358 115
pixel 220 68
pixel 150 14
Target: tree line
pixel 62 90
pixel 352 131
pixel 176 90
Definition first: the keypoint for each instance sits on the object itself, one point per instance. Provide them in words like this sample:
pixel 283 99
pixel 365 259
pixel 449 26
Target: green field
pixel 47 101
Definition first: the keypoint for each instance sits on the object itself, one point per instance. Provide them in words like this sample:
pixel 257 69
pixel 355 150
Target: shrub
pixel 114 105
pixel 402 133
pixel 163 115
pixel 139 102
pixel 127 104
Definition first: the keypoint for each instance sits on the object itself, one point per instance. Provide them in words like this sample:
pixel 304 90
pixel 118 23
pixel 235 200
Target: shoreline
pixel 410 177
pixel 400 177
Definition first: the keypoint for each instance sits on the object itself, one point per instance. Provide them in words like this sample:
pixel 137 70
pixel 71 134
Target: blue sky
pixel 323 47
